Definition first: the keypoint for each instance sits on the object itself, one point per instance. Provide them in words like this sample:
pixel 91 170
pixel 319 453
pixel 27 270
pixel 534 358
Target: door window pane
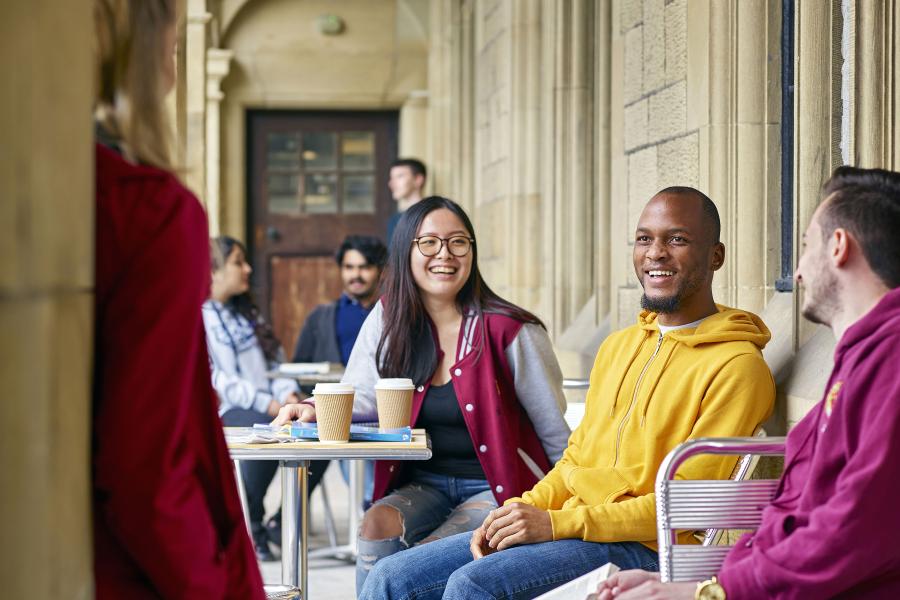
pixel 359 194
pixel 282 191
pixel 358 150
pixel 320 193
pixel 319 150
pixel 282 151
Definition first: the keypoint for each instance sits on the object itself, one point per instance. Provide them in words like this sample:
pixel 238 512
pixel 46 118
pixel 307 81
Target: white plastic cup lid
pixel 333 388
pixel 395 384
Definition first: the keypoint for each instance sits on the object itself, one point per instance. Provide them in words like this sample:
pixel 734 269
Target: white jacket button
pixel 482 448
pixel 469 408
pixel 391 468
pixel 457 372
pixel 499 489
pixel 421 388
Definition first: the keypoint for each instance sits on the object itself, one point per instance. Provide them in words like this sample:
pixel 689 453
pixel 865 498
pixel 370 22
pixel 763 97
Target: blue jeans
pixel 431 507
pixel 445 569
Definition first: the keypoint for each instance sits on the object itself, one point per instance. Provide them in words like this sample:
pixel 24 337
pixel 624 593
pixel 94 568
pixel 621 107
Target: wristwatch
pixel 710 589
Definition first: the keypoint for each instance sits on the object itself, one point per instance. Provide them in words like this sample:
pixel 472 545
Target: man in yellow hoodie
pixel 688 368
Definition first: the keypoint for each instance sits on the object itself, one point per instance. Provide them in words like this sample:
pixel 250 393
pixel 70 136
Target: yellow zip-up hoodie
pixel 648 394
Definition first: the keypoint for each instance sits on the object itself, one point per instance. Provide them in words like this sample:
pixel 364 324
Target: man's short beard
pixel 820 304
pixel 661 305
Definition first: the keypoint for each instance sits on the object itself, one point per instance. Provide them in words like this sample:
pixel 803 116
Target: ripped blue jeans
pixel 431 507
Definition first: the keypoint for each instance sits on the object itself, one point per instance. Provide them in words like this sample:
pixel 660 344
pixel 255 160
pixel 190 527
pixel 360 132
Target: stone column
pixel 195 96
pixel 572 158
pixel 876 63
pixel 814 108
pixel 450 154
pixel 525 243
pixel 46 298
pixel 218 62
pixel 602 196
pixel 414 128
pixel 443 70
pixel 743 152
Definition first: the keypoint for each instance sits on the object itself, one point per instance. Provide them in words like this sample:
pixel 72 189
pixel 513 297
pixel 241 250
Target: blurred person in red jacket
pixel 167 520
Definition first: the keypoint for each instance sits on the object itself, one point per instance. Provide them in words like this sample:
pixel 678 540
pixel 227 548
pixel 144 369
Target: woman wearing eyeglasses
pixel 488 387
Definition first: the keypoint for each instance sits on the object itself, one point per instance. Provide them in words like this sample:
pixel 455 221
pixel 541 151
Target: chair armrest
pixel 771 446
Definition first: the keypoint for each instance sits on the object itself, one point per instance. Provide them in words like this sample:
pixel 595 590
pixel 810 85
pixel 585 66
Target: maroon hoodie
pixel 833 528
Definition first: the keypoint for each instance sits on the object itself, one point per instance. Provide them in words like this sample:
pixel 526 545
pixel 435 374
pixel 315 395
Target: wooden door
pixel 314 178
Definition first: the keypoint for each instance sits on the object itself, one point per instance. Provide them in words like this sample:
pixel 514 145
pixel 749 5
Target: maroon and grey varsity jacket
pixel 509 388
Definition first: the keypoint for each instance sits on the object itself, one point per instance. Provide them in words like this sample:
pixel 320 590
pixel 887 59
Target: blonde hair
pixel 130 98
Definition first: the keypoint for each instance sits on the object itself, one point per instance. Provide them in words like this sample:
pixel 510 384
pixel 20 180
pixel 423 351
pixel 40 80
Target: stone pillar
pixel 742 149
pixel 814 109
pixel 876 64
pixel 450 149
pixel 414 128
pixel 218 62
pixel 525 243
pixel 195 96
pixel 442 84
pixel 571 194
pixel 602 196
pixel 46 298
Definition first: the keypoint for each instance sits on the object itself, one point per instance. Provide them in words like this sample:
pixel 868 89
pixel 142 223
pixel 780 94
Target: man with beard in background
pixel 330 330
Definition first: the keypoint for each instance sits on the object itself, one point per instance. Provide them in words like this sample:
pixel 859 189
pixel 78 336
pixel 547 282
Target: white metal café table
pixel 294 458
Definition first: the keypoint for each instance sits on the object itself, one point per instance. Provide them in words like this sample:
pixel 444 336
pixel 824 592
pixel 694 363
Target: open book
pixel 584 586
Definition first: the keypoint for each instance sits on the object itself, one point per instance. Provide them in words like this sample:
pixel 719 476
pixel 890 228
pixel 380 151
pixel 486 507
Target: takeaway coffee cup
pixel 334 409
pixel 394 400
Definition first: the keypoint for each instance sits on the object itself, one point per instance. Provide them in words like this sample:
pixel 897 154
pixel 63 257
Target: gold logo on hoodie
pixel 832 396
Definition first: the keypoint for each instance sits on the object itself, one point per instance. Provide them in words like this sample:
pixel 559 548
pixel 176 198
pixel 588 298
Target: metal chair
pixel 713 505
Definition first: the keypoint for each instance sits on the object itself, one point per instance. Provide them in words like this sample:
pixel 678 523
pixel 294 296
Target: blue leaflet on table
pixel 358 432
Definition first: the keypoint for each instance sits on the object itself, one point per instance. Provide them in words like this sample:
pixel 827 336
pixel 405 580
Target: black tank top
pixel 452 451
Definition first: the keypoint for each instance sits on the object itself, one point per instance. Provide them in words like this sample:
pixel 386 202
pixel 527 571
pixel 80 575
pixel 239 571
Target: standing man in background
pixel 407 182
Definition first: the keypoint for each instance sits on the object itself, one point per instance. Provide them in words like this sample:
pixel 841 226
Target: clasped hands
pixel 510 525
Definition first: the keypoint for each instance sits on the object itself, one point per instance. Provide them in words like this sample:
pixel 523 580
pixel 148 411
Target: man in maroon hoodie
pixel 831 530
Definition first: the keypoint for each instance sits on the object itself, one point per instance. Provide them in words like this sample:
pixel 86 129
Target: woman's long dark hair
pixel 407 347
pixel 243 304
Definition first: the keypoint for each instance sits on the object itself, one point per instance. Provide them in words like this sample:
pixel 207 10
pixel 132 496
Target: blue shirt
pixel 348 319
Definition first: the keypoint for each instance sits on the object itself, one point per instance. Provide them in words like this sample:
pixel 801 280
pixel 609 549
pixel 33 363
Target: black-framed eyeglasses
pixel 457 245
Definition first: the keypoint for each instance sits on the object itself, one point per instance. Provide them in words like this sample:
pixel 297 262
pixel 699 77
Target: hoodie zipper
pixel 637 388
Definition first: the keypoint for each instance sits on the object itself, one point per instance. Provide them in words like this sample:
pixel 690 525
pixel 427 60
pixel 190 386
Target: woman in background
pixel 242 349
pixel 167 521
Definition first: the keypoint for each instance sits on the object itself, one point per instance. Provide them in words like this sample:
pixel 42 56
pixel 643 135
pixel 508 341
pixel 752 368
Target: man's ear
pixel 718 256
pixel 839 247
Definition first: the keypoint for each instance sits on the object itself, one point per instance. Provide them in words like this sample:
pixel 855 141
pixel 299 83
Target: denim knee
pixel 371 553
pixel 463 585
pixel 384 580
